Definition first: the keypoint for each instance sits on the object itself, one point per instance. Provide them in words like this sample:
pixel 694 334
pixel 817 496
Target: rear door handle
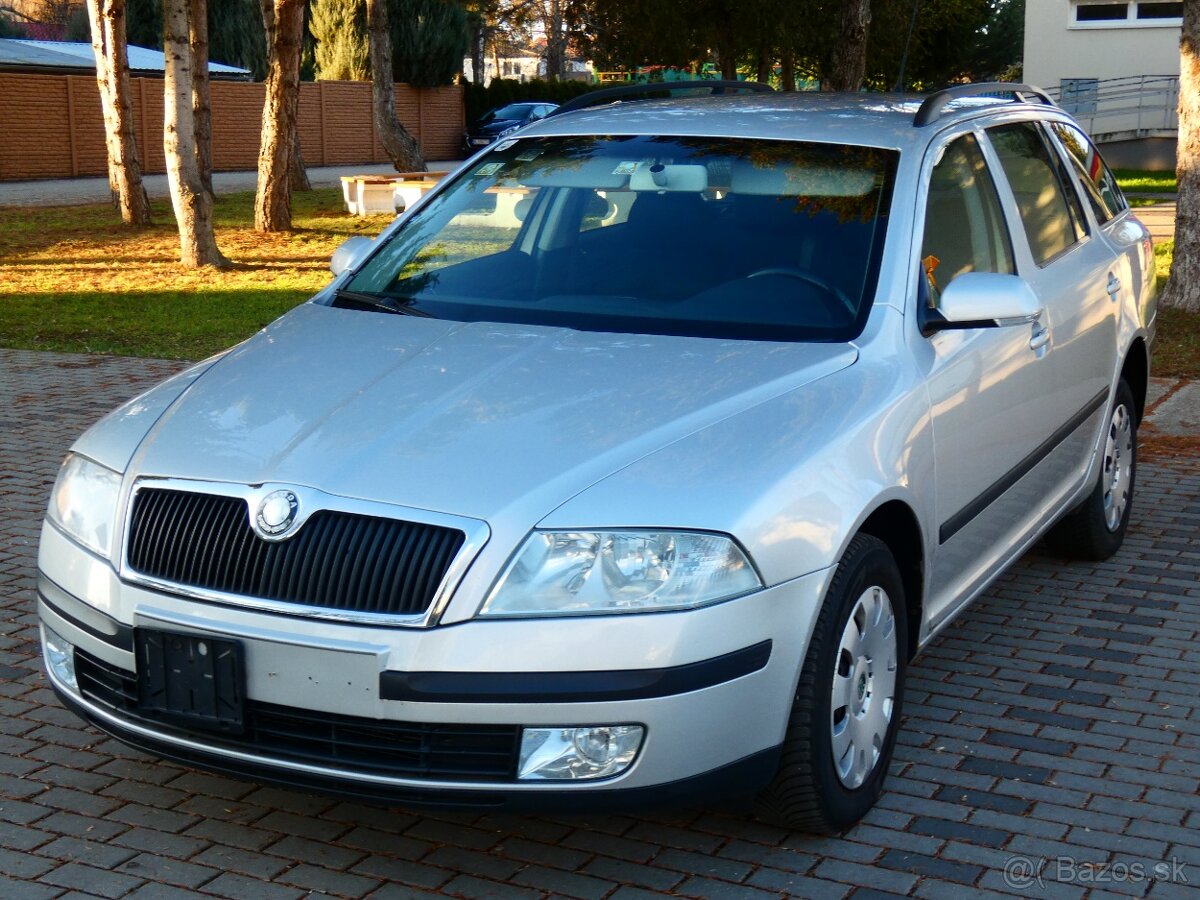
pixel 1114 286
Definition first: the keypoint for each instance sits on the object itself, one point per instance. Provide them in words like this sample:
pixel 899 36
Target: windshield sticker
pixel 505 145
pixel 528 155
pixel 489 168
pixel 626 168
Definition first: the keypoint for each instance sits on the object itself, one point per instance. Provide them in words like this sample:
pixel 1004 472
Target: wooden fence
pixel 51 125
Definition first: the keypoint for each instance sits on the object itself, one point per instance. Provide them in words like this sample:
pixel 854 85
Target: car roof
pixel 867 119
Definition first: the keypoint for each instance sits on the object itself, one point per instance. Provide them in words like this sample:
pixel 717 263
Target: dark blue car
pixel 504 119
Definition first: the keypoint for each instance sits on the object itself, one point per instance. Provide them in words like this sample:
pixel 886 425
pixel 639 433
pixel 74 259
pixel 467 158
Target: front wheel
pixel 846 710
pixel 1096 528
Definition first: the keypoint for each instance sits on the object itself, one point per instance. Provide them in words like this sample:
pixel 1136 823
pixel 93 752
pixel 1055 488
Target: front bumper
pixel 713 686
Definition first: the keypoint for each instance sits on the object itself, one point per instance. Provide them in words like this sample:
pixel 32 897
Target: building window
pixel 1160 11
pixel 1141 13
pixel 1101 12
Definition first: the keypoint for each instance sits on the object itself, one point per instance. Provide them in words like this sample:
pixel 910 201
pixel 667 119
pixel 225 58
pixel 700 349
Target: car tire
pixel 1095 529
pixel 823 784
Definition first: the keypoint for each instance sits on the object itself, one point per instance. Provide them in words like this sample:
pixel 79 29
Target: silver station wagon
pixel 631 465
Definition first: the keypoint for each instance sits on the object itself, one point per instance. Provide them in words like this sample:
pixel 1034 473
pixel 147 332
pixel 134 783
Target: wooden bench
pixel 385 194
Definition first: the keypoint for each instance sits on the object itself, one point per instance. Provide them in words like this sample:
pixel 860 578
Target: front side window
pixel 964 225
pixel 1051 218
pixel 1097 180
pixel 701 236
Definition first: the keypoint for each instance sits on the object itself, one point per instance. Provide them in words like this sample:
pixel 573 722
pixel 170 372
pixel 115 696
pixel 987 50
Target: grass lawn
pixel 74 278
pixel 1144 182
pixel 1177 352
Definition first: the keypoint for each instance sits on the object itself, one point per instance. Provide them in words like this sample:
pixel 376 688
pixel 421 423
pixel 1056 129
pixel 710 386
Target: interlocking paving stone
pixel 1057 716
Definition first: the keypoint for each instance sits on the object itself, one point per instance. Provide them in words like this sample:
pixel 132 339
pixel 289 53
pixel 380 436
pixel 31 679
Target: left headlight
pixel 84 502
pixel 560 573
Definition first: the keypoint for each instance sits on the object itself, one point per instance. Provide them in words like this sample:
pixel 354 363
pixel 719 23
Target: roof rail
pixel 931 108
pixel 653 91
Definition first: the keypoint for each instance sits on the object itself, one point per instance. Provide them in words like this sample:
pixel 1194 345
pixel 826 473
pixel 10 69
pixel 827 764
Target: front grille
pixel 337 560
pixel 350 743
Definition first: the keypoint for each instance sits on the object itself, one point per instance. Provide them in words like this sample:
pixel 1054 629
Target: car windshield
pixel 512 111
pixel 701 236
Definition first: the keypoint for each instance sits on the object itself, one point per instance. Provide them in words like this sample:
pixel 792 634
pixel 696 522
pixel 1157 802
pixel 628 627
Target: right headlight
pixel 84 502
pixel 562 573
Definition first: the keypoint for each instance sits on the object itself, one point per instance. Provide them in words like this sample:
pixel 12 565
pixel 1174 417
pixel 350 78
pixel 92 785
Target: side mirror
pixel 982 300
pixel 350 254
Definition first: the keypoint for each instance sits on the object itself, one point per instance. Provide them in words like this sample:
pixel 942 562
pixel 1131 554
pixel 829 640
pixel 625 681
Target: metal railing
pixel 1143 104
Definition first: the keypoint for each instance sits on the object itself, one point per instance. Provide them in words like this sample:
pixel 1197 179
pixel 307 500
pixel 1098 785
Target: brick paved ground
pixel 1059 717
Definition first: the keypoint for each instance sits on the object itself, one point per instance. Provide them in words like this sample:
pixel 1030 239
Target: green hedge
pixel 479 100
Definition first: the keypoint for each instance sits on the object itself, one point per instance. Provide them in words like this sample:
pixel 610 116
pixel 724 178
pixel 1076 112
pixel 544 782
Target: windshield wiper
pixel 347 299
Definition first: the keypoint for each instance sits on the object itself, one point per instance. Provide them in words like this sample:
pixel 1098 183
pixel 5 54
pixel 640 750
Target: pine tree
pixel 340 30
pixel 429 41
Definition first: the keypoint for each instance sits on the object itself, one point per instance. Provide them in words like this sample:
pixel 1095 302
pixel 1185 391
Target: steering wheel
pixel 808 278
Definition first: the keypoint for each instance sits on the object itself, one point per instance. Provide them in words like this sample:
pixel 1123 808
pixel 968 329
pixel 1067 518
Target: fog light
pixel 60 657
pixel 573 753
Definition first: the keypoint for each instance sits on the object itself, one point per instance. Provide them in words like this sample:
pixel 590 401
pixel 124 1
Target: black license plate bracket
pixel 191 680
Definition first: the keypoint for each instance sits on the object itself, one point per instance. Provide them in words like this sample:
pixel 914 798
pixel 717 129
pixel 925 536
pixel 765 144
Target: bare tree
pixel 107 19
pixel 402 148
pixel 201 100
pixel 284 24
pixel 192 202
pixel 848 67
pixel 1183 288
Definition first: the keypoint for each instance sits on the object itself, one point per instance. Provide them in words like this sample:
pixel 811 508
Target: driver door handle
pixel 1114 286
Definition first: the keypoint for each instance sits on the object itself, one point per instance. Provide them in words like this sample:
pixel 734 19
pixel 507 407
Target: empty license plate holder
pixel 191 680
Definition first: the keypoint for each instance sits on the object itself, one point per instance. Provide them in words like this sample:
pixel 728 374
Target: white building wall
pixel 1057 48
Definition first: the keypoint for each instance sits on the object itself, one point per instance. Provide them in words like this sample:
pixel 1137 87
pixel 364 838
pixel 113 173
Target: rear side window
pixel 964 226
pixel 1097 180
pixel 1051 223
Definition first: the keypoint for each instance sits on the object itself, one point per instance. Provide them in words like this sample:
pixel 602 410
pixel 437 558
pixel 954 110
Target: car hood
pixel 474 419
pixel 497 125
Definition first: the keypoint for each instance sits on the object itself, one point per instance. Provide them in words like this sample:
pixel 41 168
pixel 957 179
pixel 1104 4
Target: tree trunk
pixel 1183 288
pixel 297 171
pixel 401 147
pixel 284 24
pixel 787 66
pixel 201 102
pixel 727 56
pixel 848 67
pixel 193 204
pixel 766 62
pixel 478 39
pixel 107 18
pixel 556 41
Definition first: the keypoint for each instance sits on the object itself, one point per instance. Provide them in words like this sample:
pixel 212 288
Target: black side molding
pixel 963 517
pixel 571 687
